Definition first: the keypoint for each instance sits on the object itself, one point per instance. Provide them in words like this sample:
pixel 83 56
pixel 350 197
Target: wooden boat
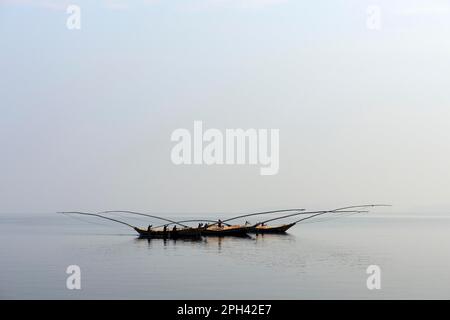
pixel 271 229
pixel 169 233
pixel 235 230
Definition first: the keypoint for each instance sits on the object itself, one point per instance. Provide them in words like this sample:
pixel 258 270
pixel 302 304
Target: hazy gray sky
pixel 86 115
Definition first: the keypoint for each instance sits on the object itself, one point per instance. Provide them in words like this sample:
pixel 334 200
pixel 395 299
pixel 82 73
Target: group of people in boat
pixel 203 225
pixel 165 229
pixel 200 225
pixel 206 225
pixel 174 229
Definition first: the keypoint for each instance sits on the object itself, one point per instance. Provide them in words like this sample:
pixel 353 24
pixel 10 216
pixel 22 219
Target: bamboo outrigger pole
pixel 317 213
pixel 255 214
pixel 100 216
pixel 338 214
pixel 261 213
pixel 146 215
pixel 314 213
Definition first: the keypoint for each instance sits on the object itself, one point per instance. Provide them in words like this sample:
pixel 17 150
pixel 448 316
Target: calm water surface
pixel 321 260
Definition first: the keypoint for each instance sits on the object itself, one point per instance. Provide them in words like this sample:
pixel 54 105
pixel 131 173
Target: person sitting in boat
pixel 263 224
pixel 165 229
pixel 219 223
pixel 247 223
pixel 174 229
pixel 206 226
pixel 200 225
pixel 149 228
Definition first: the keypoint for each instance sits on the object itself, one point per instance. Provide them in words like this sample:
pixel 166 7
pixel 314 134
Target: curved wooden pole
pixel 303 213
pixel 325 211
pixel 318 214
pixel 261 213
pixel 339 214
pixel 98 215
pixel 146 215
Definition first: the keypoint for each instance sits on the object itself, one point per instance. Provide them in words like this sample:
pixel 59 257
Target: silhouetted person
pixel 165 229
pixel 174 229
pixel 219 224
pixel 149 228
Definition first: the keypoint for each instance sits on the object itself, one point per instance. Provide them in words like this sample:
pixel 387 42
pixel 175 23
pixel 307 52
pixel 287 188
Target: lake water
pixel 322 260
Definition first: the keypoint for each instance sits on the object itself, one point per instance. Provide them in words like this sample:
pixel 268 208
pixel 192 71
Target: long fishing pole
pixel 258 213
pixel 261 213
pixel 338 215
pixel 307 212
pixel 146 215
pixel 325 211
pixel 318 214
pixel 100 216
pixel 84 220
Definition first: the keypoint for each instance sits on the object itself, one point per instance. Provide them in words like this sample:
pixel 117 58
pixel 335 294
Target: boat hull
pixel 226 231
pixel 269 229
pixel 169 234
